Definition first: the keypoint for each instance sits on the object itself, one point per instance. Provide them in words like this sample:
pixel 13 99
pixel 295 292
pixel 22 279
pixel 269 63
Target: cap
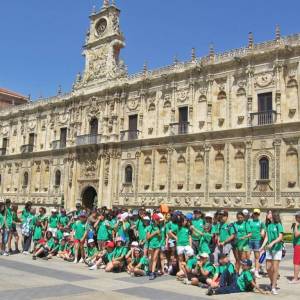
pixel 209 215
pixel 161 216
pixel 66 234
pixel 197 211
pixel 223 212
pixel 155 217
pixel 78 204
pixel 110 244
pixel 83 215
pixel 246 262
pixel 134 244
pixel 297 214
pixel 135 212
pixel 245 212
pixel 53 210
pixel 146 218
pixel 204 255
pixel 124 216
pixel 91 241
pixel 222 255
pixel 256 211
pixel 119 239
pixel 189 216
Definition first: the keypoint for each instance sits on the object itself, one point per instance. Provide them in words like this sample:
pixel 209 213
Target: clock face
pixel 101 27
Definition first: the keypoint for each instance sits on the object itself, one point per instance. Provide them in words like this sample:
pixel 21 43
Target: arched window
pixel 25 179
pixel 57 178
pixel 264 168
pixel 128 174
pixel 94 126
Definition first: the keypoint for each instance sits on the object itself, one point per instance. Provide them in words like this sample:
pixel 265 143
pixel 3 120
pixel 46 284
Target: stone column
pixel 248 162
pixel 277 146
pixel 227 166
pixel 170 154
pixel 188 168
pixel 207 149
pixel 137 157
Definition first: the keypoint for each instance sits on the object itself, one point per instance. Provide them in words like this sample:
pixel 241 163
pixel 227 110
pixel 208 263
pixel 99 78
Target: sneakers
pixel 75 261
pixel 25 252
pixel 5 253
pixel 294 281
pixel 186 281
pixel 210 291
pixel 81 260
pixel 256 273
pixel 93 267
pixel 274 292
pixel 34 257
pixel 152 276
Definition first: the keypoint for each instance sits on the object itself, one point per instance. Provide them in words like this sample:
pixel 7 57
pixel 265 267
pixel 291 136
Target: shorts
pixel 53 231
pixel 172 243
pixel 187 250
pixel 297 255
pixel 274 255
pixel 78 242
pixel 254 245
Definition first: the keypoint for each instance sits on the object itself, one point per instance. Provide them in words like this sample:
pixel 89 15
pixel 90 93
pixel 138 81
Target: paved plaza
pixel 21 278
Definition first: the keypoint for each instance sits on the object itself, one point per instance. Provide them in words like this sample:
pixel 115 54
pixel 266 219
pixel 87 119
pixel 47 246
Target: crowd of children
pixel 194 247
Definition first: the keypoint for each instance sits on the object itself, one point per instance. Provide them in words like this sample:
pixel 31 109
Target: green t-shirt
pixel 144 263
pixel 215 228
pixel 141 230
pixel 37 233
pixel 296 240
pixel 32 222
pixel 155 241
pixel 225 230
pixel 256 226
pixel 1 221
pixel 198 224
pixel 183 236
pixel 9 217
pixel 241 229
pixel 244 281
pixel 173 227
pixel 210 268
pixel 63 220
pixel 90 252
pixel 79 229
pixel 205 243
pixel 59 235
pixel 103 231
pixel 51 243
pixel 25 215
pixel 119 252
pixel 123 233
pixel 62 246
pixel 53 221
pixel 273 231
pixel 191 262
pixel 229 267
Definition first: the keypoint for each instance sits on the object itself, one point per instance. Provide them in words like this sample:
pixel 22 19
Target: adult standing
pixel 296 243
pixel 26 227
pixel 274 245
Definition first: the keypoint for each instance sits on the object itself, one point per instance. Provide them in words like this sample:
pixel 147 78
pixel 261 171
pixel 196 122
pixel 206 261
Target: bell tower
pixel 104 42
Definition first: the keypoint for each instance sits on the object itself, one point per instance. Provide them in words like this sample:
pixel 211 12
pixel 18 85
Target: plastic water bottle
pixel 262 257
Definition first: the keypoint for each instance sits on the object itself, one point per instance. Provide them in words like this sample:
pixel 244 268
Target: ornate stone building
pixel 217 131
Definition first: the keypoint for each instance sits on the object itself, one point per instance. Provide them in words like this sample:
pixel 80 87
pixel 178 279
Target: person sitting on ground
pixel 130 254
pixel 103 257
pixel 226 271
pixel 206 272
pixel 187 269
pixel 117 262
pixel 245 282
pixel 140 264
pixel 44 246
pixel 91 251
pixel 54 250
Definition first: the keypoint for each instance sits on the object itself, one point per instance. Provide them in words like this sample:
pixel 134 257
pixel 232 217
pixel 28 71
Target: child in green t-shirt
pixel 139 265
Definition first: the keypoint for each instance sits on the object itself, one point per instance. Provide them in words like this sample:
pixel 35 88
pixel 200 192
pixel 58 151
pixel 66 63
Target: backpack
pixel 25 229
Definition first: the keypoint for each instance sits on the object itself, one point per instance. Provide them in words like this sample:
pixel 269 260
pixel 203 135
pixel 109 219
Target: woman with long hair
pixel 273 245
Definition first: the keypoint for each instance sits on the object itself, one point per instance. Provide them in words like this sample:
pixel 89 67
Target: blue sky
pixel 41 40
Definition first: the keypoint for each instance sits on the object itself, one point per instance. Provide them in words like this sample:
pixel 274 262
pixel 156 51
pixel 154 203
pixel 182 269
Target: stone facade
pixel 217 131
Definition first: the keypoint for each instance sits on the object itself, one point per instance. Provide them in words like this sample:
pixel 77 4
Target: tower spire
pixel 250 40
pixel 105 3
pixel 277 33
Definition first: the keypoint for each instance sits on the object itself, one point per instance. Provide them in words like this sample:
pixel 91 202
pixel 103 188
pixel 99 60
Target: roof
pixel 11 93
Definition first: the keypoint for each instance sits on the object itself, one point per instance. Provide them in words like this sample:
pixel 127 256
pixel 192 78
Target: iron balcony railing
pixel 88 139
pixel 2 151
pixel 129 135
pixel 263 118
pixel 180 128
pixel 26 148
pixel 58 144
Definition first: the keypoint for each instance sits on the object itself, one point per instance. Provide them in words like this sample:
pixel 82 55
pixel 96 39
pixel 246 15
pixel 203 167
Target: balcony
pixel 263 118
pixel 180 128
pixel 26 148
pixel 88 139
pixel 2 151
pixel 58 144
pixel 129 135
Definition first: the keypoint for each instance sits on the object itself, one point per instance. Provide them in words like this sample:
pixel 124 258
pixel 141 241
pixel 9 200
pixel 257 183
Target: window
pixel 264 102
pixel 57 178
pixel 63 137
pixel 25 179
pixel 128 174
pixel 94 126
pixel 264 168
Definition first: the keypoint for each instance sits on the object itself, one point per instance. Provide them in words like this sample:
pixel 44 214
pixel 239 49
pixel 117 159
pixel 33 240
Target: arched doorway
pixel 89 197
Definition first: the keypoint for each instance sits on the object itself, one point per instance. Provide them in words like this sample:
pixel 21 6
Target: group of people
pixel 194 247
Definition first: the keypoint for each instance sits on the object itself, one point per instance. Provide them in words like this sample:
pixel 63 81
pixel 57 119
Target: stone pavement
pixel 21 278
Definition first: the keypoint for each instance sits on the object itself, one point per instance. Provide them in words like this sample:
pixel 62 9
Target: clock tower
pixel 104 42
